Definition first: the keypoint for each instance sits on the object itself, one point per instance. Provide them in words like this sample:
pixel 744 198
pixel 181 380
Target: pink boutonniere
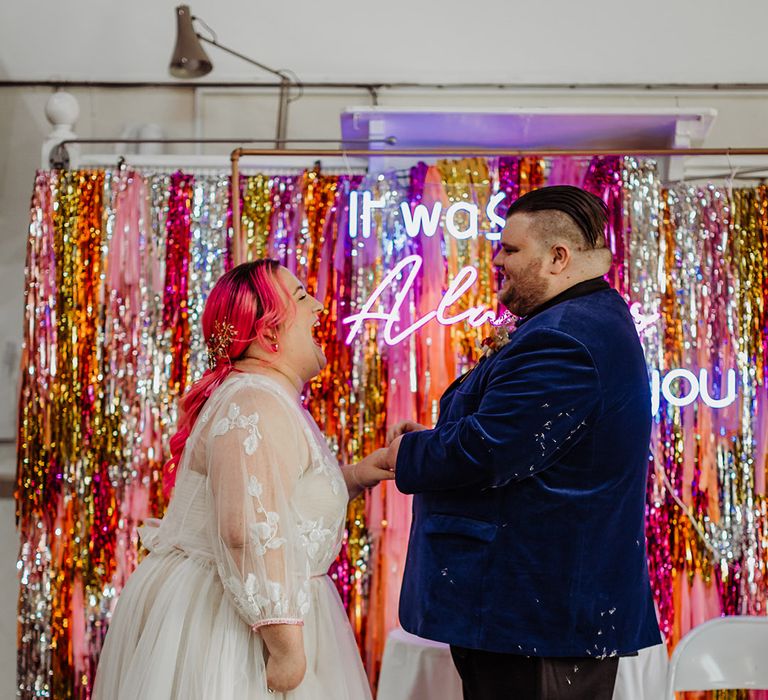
pixel 499 336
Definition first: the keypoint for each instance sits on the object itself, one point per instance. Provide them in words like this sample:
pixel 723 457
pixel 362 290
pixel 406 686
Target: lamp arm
pixel 284 77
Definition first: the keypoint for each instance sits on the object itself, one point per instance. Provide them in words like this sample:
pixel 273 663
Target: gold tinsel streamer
pixel 468 181
pixel 532 174
pixel 319 197
pixel 256 214
pixel 34 443
pixel 749 259
pixel 79 427
pixel 349 396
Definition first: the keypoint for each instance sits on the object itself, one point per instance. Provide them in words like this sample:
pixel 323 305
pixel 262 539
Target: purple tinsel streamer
pixel 509 182
pixel 604 178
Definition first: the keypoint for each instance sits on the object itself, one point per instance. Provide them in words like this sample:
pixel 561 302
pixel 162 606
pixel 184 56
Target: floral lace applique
pixel 244 594
pixel 273 602
pixel 235 420
pixel 302 599
pixel 264 533
pixel 314 535
pixel 255 487
pixel 327 465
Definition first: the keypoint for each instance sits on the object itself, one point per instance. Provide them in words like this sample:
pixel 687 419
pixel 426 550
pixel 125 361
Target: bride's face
pixel 298 346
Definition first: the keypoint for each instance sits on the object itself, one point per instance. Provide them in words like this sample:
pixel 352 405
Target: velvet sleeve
pixel 540 395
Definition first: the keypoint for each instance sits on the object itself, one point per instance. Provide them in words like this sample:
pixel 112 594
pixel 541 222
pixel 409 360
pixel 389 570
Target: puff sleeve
pixel 254 455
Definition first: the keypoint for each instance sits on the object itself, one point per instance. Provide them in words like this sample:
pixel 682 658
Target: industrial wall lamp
pixel 190 61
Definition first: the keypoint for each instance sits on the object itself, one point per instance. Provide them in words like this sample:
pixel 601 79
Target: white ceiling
pixel 537 41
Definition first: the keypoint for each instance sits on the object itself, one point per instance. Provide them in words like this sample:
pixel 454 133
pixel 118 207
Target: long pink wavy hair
pixel 248 298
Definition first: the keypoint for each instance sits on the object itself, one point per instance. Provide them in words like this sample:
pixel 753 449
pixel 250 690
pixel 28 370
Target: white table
pixel 418 669
pixel 413 668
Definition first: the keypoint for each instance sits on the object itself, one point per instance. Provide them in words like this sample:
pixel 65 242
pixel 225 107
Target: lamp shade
pixel 189 59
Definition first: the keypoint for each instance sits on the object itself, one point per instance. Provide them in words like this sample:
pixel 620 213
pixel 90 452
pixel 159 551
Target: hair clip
pixel 218 344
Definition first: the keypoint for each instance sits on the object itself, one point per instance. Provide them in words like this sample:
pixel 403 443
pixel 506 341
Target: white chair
pixel 728 652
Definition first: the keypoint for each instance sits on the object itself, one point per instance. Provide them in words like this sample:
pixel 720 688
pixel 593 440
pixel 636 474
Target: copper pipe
pixel 234 185
pixel 480 151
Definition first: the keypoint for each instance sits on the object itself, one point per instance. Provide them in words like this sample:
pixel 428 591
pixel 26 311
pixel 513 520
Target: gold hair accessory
pixel 219 342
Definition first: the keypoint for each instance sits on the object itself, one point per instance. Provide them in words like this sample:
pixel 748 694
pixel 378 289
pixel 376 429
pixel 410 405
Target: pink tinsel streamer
pixel 176 274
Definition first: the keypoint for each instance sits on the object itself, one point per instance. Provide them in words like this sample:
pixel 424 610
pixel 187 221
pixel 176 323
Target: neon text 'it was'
pixel 422 219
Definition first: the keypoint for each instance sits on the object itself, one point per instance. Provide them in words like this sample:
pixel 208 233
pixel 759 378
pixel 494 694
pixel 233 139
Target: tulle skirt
pixel 175 635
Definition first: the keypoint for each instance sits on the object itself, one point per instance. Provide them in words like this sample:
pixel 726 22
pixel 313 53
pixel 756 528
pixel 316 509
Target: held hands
pixel 380 464
pixel 372 469
pixel 368 472
pixel 403 427
pixel 395 436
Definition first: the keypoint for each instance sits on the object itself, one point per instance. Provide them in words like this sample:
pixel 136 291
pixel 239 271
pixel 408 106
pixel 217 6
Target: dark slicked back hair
pixel 586 210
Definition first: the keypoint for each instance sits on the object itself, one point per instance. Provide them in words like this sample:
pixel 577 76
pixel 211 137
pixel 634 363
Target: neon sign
pixel 697 387
pixel 466 277
pixel 424 220
pixel 403 275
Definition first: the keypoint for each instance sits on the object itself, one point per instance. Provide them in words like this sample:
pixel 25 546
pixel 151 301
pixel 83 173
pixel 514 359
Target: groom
pixel 527 549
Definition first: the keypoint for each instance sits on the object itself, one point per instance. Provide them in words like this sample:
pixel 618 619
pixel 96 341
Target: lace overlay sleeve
pixel 255 456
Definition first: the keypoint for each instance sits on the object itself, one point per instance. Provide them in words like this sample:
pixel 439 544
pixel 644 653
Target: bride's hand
pixel 368 472
pixel 286 672
pixel 372 469
pixel 286 662
pixel 403 427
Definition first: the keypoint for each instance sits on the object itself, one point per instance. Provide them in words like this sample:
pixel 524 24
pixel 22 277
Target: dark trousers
pixel 486 675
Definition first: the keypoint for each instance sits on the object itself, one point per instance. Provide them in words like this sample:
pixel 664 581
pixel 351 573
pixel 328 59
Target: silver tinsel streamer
pixel 645 248
pixel 691 263
pixel 206 260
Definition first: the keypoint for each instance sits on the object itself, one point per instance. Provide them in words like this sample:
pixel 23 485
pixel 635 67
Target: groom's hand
pixel 403 427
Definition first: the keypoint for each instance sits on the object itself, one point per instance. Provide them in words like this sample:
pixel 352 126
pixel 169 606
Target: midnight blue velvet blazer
pixel 528 517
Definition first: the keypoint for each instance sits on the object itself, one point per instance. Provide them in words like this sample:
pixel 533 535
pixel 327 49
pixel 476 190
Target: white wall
pixel 685 41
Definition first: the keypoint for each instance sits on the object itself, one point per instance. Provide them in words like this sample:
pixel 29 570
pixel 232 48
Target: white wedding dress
pixel 255 521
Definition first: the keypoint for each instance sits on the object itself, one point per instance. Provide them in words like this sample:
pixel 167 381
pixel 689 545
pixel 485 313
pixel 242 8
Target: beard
pixel 523 292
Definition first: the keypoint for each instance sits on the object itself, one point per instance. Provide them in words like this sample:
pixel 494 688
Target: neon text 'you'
pixel 697 387
pixel 423 219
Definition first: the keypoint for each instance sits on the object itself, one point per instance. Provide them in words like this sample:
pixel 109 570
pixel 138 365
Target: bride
pixel 233 600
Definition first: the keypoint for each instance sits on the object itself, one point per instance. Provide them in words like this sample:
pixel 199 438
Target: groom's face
pixel 520 263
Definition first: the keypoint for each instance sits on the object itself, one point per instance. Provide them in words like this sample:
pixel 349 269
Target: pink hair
pixel 248 298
